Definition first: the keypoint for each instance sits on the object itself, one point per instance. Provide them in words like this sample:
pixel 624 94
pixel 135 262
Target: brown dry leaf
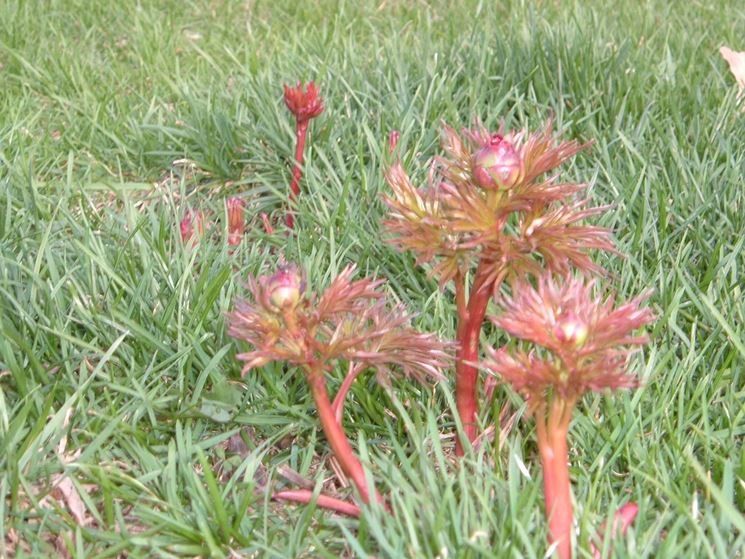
pixel 63 494
pixel 65 488
pixel 736 61
pixel 60 547
pixel 294 477
pixel 14 545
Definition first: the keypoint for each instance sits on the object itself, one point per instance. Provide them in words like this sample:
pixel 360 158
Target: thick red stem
pixel 336 436
pixel 552 444
pixel 323 501
pixel 301 131
pixel 469 331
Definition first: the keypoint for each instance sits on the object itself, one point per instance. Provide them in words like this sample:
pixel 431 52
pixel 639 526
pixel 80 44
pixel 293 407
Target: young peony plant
pixel 349 323
pixel 582 344
pixel 492 208
pixel 305 105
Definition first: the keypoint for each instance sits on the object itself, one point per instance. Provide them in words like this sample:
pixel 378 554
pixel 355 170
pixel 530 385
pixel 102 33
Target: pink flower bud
pixel 192 226
pixel 236 220
pixel 285 287
pixel 497 165
pixel 571 330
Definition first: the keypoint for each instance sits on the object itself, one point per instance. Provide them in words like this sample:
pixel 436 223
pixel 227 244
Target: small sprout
pixel 393 140
pixel 268 229
pixel 305 105
pixel 236 208
pixel 622 519
pixel 192 226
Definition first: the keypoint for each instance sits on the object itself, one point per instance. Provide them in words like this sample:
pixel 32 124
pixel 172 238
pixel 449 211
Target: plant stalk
pixel 469 331
pixel 336 436
pixel 301 132
pixel 552 444
pixel 338 404
pixel 323 501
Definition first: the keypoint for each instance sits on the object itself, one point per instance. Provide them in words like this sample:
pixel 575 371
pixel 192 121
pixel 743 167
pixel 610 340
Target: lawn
pixel 126 429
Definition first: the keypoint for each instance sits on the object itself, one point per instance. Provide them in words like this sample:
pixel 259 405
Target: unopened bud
pixel 285 287
pixel 570 329
pixel 497 165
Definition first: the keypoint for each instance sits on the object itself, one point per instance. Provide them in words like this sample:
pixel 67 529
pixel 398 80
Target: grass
pixel 115 368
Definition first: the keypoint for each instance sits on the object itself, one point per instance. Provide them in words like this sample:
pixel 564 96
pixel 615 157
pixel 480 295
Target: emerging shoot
pixel 192 227
pixel 236 208
pixel 305 104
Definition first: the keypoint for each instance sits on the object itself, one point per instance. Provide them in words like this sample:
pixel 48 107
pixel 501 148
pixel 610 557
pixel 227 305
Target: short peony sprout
pixel 305 105
pixel 192 226
pixel 236 209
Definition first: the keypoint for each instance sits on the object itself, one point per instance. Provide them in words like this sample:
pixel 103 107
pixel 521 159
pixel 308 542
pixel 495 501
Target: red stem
pixel 552 444
pixel 622 519
pixel 625 516
pixel 338 405
pixel 470 319
pixel 460 300
pixel 301 131
pixel 323 501
pixel 340 446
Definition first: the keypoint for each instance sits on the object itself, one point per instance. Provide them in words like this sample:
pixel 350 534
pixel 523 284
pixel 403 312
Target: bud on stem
pixel 497 165
pixel 285 288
